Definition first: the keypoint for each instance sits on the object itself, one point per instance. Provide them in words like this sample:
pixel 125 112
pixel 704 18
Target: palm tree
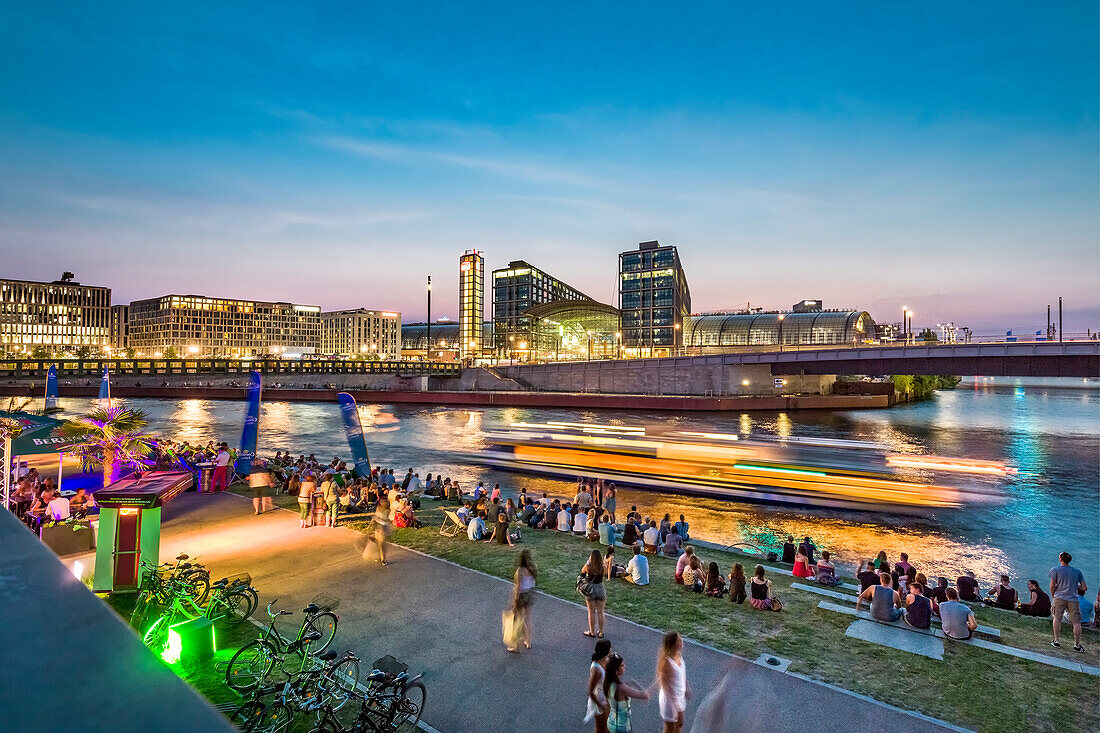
pixel 111 437
pixel 10 428
pixel 19 404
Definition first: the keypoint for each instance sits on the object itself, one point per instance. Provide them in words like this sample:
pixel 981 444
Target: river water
pixel 1051 435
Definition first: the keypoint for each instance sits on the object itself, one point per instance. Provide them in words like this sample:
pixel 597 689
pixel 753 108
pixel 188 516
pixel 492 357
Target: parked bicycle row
pixel 284 678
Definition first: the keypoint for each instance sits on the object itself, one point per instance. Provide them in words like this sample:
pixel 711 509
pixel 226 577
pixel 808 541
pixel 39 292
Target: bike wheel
pixel 249 666
pixel 407 712
pixel 325 623
pixel 326 726
pixel 275 718
pixel 231 609
pixel 246 716
pixel 197 583
pixel 156 638
pixel 137 618
pixel 343 682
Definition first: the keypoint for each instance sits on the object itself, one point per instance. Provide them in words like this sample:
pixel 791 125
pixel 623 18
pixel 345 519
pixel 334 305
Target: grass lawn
pixel 971 687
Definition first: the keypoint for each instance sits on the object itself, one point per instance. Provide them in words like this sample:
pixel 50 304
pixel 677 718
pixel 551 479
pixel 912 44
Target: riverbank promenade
pixel 444 621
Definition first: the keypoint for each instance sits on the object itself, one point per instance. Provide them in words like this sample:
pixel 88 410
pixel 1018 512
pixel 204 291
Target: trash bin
pixel 204 474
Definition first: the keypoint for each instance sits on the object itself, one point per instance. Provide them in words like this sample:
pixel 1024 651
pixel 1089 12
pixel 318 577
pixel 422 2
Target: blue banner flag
pixel 251 433
pixel 349 412
pixel 51 387
pixel 105 389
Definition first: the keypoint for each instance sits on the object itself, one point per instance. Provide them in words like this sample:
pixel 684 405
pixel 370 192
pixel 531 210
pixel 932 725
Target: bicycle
pixel 392 701
pixel 230 604
pixel 254 661
pixel 156 584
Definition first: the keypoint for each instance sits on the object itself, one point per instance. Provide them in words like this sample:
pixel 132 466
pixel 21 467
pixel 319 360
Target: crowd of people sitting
pixel 35 500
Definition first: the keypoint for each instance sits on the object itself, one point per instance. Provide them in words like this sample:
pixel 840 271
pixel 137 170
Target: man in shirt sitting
pixel 609 533
pixel 463 513
pixel 637 569
pixel 956 619
pixel 475 529
pixel 885 601
pixel 58 509
pixel 651 537
pixel 968 587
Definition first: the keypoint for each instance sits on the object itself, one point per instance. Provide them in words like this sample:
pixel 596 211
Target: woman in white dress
pixel 672 680
pixel 597 701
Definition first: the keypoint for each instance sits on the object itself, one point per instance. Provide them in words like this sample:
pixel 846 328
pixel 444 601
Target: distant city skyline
pixel 941 157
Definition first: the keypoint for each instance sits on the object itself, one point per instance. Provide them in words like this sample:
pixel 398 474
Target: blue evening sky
pixel 942 156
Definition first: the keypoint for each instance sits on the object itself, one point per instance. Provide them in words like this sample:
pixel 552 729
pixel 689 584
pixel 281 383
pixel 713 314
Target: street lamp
pixel 676 337
pixel 429 339
pixel 780 337
pixel 618 345
pixel 589 345
pixel 511 348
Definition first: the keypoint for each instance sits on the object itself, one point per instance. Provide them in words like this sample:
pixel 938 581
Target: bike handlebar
pixel 277 613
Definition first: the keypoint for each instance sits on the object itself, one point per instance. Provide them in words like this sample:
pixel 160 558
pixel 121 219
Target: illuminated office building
pixel 202 326
pixel 60 316
pixel 361 332
pixel 654 299
pixel 516 288
pixel 120 326
pixel 471 303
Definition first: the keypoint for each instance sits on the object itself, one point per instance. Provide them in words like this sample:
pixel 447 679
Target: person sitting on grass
pixel 737 583
pixel 1038 603
pixel 463 513
pixel 608 531
pixel 956 619
pixel 651 537
pixel 510 509
pixel 903 565
pixel 788 551
pixel 918 608
pixel 630 532
pixel 967 586
pixel 760 591
pixel 637 569
pixel 939 593
pixel 550 516
pixel 906 579
pixel 665 528
pixel 885 601
pixel 802 568
pixel 528 513
pixel 1002 595
pixel 681 528
pixel 867 576
pixel 715 584
pixel 493 512
pixel 565 519
pixel 826 571
pixel 694 575
pixel 500 531
pixel 592 526
pixel 682 563
pixel 882 563
pixel 475 528
pixel 610 569
pixel 808 549
pixel 671 547
pixel 580 522
pixel 411 519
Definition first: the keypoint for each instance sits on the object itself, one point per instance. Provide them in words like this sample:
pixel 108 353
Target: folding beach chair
pixel 452 525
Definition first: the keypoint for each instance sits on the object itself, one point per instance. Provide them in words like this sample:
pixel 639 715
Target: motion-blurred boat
pixel 810 472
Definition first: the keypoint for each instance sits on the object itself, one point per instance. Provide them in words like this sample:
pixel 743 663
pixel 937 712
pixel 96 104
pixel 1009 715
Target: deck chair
pixel 452 525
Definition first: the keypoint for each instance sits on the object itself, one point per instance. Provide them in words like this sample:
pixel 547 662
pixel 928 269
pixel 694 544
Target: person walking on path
pixel 672 681
pixel 597 594
pixel 619 694
pixel 597 702
pixel 380 528
pixel 523 598
pixel 1066 585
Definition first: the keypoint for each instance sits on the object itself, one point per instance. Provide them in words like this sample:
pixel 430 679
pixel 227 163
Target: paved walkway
pixel 444 620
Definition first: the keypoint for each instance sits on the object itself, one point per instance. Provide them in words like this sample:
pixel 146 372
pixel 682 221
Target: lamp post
pixel 511 348
pixel 676 344
pixel 429 341
pixel 618 345
pixel 781 317
pixel 905 322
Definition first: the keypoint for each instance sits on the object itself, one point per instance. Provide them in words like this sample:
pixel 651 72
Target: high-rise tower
pixel 471 303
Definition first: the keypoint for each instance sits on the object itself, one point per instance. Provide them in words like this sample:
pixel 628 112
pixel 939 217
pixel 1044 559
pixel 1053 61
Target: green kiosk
pixel 129 526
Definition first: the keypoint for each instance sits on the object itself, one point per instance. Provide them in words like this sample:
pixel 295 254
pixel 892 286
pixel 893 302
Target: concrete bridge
pixel 807 371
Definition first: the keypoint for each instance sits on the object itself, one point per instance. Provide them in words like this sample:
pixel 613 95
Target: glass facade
pixel 574 329
pixel 120 326
pixel 60 317
pixel 517 288
pixel 770 329
pixel 471 303
pixel 654 299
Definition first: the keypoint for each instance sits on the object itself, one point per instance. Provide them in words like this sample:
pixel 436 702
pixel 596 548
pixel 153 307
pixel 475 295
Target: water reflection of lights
pixel 745 423
pixel 193 416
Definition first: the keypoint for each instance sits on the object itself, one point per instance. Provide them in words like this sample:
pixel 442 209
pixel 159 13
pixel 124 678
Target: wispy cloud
pixel 522 170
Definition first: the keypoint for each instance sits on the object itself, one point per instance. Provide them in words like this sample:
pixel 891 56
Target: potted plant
pixel 68 536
